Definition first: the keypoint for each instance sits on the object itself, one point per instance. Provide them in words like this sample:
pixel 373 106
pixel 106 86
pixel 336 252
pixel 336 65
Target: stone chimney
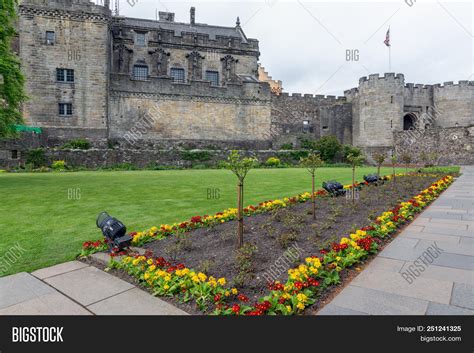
pixel 192 16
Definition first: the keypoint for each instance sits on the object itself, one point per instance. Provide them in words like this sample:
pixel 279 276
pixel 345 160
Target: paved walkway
pixel 443 235
pixel 75 288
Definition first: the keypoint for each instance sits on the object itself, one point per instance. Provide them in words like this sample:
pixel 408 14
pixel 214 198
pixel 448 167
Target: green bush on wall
pixel 196 156
pixel 77 144
pixel 273 162
pixel 36 158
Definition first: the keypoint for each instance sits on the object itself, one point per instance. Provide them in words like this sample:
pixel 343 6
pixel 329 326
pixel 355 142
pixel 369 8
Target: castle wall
pixel 81 44
pixel 445 146
pixel 454 104
pixel 325 116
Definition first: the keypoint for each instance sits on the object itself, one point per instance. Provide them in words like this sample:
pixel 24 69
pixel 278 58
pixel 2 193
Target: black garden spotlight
pixel 114 232
pixel 334 188
pixel 371 178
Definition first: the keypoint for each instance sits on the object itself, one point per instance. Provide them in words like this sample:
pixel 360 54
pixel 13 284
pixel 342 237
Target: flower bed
pixel 164 230
pixel 305 282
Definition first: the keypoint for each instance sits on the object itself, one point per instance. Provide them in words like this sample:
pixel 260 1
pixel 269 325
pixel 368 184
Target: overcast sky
pixel 304 43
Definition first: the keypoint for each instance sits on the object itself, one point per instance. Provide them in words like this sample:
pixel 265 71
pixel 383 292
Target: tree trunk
pixel 353 182
pixel 378 171
pixel 240 219
pixel 313 199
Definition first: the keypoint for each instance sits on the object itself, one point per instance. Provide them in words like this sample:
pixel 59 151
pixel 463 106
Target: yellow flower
pixel 150 262
pixel 300 306
pixel 221 281
pixel 166 287
pixel 227 293
pixel 301 297
pixel 338 258
pixel 135 262
pixel 146 275
pixel 234 291
pixel 153 229
pixel 202 276
pixel 152 268
pixel 288 308
pixel 167 278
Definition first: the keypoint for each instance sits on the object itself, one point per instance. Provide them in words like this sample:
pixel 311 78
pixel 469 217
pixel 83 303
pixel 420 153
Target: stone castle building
pixel 135 84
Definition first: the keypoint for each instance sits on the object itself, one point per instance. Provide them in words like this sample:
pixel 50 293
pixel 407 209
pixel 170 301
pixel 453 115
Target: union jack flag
pixel 387 38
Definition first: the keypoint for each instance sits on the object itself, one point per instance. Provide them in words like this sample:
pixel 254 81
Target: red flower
pixel 196 219
pixel 236 309
pixel 243 298
pixel 217 298
pixel 298 285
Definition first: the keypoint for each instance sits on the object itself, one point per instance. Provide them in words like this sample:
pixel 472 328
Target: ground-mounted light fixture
pixel 371 178
pixel 334 188
pixel 114 232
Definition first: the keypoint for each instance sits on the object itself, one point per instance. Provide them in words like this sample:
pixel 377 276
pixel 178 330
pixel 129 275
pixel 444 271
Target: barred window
pixel 50 38
pixel 213 76
pixel 140 39
pixel 140 72
pixel 305 126
pixel 65 75
pixel 177 75
pixel 65 109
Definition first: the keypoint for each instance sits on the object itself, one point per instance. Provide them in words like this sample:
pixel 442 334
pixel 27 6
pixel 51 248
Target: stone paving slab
pixel 332 309
pixel 422 288
pixel 432 237
pixel 442 273
pixel 463 295
pixel 21 287
pixel 49 304
pixel 58 269
pixel 446 246
pixel 378 302
pixel 443 309
pixel 24 294
pixel 134 302
pixel 88 285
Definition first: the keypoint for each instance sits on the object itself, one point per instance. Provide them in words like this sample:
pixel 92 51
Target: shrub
pixel 196 156
pixel 58 165
pixel 77 144
pixel 328 147
pixel 286 146
pixel 36 158
pixel 273 162
pixel 348 149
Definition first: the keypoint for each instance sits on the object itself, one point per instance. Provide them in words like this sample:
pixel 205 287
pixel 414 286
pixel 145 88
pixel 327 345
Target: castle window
pixel 50 38
pixel 65 75
pixel 213 76
pixel 140 72
pixel 391 99
pixel 140 39
pixel 15 154
pixel 177 75
pixel 65 109
pixel 305 126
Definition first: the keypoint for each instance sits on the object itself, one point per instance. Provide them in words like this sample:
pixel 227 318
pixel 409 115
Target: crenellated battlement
pixel 377 79
pixel 317 98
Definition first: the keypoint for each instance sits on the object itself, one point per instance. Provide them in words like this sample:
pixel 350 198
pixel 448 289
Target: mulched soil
pixel 212 250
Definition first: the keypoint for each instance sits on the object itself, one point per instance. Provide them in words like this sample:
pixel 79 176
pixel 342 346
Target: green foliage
pixel 379 158
pixel 348 149
pixel 196 155
pixel 77 144
pixel 312 162
pixel 238 165
pixel 286 146
pixel 355 160
pixel 12 81
pixel 441 170
pixel 307 144
pixel 36 158
pixel 328 147
pixel 273 162
pixel 58 166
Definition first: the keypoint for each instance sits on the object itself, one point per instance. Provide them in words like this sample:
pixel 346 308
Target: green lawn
pixel 35 209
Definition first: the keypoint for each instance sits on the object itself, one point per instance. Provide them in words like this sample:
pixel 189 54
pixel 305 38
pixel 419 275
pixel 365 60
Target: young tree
pixel 11 78
pixel 354 161
pixel 240 166
pixel 393 159
pixel 311 163
pixel 406 159
pixel 379 158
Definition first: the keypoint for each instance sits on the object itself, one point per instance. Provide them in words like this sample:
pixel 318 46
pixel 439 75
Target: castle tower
pixel 64 51
pixel 377 111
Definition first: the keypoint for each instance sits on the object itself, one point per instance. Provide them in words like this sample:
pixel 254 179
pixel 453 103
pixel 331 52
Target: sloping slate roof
pixel 179 27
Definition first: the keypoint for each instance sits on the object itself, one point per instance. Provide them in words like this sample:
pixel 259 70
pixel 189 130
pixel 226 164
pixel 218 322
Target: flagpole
pixel 390 58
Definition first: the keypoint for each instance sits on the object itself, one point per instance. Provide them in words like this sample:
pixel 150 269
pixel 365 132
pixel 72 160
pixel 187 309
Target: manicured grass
pixel 37 212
